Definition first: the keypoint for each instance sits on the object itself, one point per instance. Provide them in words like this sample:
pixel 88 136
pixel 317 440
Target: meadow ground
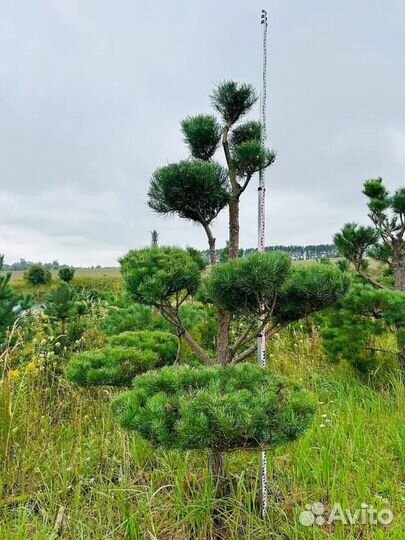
pixel 68 470
pixel 113 271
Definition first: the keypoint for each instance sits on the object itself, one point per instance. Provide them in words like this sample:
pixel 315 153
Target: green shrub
pixel 196 255
pixel 163 344
pixel 66 274
pixel 221 408
pixel 115 366
pixel 38 275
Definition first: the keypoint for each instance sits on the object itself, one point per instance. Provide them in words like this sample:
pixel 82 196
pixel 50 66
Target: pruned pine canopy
pixel 233 100
pixel 202 134
pixel 287 292
pixel 194 189
pixel 222 408
pixel 155 276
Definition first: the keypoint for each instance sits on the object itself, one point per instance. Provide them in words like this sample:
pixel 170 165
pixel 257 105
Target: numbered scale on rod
pixel 261 339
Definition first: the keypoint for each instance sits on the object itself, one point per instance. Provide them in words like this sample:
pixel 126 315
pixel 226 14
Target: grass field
pixel 80 272
pixel 68 471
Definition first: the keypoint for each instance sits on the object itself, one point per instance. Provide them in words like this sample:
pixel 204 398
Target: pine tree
pixel 154 241
pixel 38 275
pixel 66 274
pixel 385 241
pixel 353 327
pixel 10 303
pixel 387 212
pixel 227 404
pixel 264 285
pixel 60 303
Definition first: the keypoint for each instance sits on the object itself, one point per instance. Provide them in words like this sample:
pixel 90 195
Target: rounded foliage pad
pixel 164 344
pixel 243 284
pixel 222 408
pixel 154 276
pixel 115 366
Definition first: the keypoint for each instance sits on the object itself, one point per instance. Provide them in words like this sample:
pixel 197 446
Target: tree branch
pixel 171 315
pixel 245 183
pixel 252 349
pixel 225 146
pixel 370 280
pixel 247 336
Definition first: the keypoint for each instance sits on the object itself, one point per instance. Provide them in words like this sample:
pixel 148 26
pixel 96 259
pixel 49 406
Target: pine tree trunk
pixel 399 272
pixel 233 227
pixel 213 253
pixel 223 316
pixel 224 319
pixel 224 322
pixel 211 244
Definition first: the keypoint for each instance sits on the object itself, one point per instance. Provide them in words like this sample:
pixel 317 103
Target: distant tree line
pixel 22 264
pixel 298 253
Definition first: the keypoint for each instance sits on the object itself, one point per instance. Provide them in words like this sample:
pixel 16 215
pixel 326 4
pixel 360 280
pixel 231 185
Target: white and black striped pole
pixel 261 339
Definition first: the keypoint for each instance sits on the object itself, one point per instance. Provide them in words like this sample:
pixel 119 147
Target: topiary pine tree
pixel 387 212
pixel 264 284
pixel 242 290
pixel 385 241
pixel 38 275
pixel 200 190
pixel 352 329
pixel 353 242
pixel 66 274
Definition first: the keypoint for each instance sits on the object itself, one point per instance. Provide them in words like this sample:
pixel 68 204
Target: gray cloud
pixel 91 95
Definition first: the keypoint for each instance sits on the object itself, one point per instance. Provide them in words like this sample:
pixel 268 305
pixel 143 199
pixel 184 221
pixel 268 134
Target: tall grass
pixel 68 471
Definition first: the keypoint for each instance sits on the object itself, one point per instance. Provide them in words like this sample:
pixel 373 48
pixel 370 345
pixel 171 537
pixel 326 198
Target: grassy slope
pixel 61 452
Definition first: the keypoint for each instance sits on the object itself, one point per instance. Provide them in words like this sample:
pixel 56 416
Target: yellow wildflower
pixel 31 368
pixel 14 373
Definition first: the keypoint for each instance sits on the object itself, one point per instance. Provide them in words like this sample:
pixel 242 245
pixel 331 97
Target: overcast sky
pixel 92 92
